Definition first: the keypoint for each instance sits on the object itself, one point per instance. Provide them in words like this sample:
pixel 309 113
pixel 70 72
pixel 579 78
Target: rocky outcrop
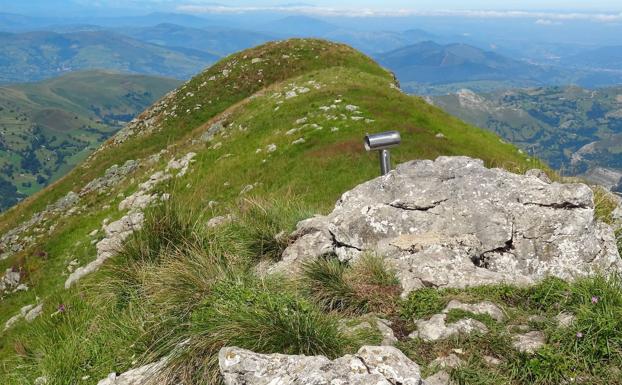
pixel 14 241
pixel 454 223
pixel 371 365
pixel 113 176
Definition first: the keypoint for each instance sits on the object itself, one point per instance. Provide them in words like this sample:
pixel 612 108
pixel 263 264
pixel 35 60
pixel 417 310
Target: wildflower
pixel 60 310
pixel 579 335
pixel 595 300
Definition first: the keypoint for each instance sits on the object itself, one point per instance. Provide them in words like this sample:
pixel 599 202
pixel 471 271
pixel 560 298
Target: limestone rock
pixel 485 307
pixel 116 232
pixel 454 223
pixel 10 280
pixel 440 378
pixel 28 313
pixel 451 361
pixel 537 173
pixel 371 365
pixel 138 376
pixel 388 336
pixel 565 320
pixel 436 328
pixel 112 176
pixel 220 220
pixel 529 342
pixel 34 313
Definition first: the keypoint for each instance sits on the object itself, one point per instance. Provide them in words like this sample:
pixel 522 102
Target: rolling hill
pixel 38 55
pixel 571 128
pixel 429 65
pixel 47 128
pixel 272 130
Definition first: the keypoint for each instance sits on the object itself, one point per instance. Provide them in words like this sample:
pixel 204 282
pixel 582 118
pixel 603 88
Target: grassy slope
pixel 59 122
pixel 91 339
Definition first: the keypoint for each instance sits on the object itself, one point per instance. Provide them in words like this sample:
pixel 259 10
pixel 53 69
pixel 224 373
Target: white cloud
pixel 544 18
pixel 548 22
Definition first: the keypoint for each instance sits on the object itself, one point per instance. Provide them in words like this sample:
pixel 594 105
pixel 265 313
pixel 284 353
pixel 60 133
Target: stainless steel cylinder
pixel 385 161
pixel 382 142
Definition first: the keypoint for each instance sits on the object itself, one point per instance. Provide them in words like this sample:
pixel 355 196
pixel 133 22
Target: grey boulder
pixel 454 223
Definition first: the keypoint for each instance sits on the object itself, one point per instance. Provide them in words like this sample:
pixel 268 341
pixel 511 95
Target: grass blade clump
pixel 266 225
pixel 366 286
pixel 263 316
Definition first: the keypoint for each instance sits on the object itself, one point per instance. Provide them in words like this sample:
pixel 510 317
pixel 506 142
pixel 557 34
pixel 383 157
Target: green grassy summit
pixel 277 131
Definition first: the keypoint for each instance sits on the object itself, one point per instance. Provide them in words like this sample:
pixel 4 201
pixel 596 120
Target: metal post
pixel 385 161
pixel 382 142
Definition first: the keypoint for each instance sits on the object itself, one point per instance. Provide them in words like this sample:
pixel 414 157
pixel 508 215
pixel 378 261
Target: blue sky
pixel 323 6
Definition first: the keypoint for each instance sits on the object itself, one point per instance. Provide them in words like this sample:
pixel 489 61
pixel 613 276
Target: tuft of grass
pixel 266 224
pixel 263 316
pixel 366 286
pixel 423 303
pixel 165 226
pixel 604 204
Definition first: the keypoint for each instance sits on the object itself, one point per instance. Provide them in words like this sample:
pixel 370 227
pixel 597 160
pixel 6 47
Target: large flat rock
pixel 378 365
pixel 454 223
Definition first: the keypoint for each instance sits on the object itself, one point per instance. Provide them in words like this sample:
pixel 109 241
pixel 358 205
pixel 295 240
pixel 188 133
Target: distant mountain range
pixel 38 55
pixel 48 127
pixel 432 68
pixel 215 40
pixel 576 130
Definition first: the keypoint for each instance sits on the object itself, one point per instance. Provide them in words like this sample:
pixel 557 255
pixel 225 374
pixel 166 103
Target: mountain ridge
pixel 238 154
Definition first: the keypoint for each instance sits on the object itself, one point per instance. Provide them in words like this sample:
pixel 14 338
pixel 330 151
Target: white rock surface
pixel 529 342
pixel 138 376
pixel 381 365
pixel 436 328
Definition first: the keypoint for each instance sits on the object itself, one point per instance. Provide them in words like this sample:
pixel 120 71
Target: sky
pixel 606 6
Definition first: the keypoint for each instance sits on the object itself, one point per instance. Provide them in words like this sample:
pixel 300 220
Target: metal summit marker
pixel 382 142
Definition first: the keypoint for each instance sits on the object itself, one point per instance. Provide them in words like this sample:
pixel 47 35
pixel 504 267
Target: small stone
pixel 440 135
pixel 536 173
pixel 440 378
pixel 220 220
pixel 247 189
pixel 93 233
pixel 565 320
pixel 492 361
pixel 388 336
pixel 41 381
pixel 451 361
pixel 529 342
pixel 485 307
pixel 256 60
pixel 436 329
pixel 34 313
pixel 298 141
pixel 271 148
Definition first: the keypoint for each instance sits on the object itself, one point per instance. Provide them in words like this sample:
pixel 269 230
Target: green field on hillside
pixel 47 128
